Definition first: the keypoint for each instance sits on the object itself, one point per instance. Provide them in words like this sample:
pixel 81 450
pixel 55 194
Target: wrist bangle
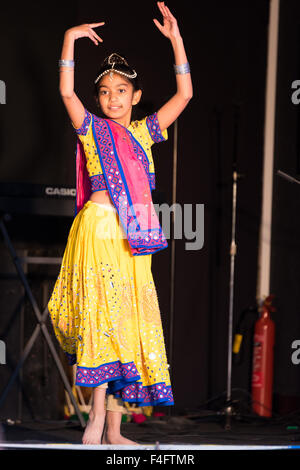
pixel 181 69
pixel 66 63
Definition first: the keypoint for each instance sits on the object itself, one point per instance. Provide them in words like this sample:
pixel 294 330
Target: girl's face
pixel 116 98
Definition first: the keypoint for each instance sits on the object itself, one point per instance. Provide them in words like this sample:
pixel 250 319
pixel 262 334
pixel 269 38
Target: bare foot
pixel 94 429
pixel 117 439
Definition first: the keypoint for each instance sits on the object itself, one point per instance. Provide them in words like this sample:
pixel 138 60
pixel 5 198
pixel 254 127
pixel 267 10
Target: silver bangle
pixel 183 68
pixel 66 63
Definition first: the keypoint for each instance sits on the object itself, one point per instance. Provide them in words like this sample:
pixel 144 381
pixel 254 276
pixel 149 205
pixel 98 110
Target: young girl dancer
pixel 104 307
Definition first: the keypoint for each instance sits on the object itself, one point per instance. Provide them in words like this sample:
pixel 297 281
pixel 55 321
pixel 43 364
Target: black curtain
pixel 226 44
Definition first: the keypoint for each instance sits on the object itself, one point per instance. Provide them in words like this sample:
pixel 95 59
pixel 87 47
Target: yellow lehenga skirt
pixel 105 313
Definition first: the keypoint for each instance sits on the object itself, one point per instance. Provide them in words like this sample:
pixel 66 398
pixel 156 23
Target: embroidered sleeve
pixel 154 129
pixel 85 135
pixel 82 131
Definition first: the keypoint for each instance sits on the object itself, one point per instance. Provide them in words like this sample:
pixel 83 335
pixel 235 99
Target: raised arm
pixel 169 112
pixel 71 101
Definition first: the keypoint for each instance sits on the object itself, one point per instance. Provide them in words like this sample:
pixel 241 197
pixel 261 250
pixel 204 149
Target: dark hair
pixel 120 65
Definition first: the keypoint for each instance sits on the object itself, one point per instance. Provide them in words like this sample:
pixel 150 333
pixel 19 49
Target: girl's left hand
pixel 170 28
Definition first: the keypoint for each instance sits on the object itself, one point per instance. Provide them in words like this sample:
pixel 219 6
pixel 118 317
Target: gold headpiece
pixel 112 60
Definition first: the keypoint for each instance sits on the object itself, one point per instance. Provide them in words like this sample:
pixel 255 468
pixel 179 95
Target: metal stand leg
pixel 41 326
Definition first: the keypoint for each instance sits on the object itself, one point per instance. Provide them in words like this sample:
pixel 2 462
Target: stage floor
pixel 174 432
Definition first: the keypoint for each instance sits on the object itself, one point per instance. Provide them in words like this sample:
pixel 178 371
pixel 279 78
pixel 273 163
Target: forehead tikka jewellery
pixel 111 73
pixel 111 70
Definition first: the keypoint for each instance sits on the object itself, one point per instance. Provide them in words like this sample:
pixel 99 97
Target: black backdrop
pixel 226 44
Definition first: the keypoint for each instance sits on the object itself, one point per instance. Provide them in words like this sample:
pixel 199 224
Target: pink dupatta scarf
pixel 83 183
pixel 127 183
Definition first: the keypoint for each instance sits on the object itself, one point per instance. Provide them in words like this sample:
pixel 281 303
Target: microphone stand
pixel 228 410
pixel 288 177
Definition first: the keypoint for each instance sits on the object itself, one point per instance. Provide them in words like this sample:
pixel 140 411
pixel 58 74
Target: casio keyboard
pixel 37 199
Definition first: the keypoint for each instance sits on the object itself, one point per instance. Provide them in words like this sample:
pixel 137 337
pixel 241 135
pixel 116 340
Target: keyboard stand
pixel 41 325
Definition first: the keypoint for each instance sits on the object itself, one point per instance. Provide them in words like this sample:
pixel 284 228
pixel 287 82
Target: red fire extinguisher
pixel 263 354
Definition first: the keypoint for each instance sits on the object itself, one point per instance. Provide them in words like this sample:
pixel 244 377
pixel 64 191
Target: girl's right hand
pixel 85 31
